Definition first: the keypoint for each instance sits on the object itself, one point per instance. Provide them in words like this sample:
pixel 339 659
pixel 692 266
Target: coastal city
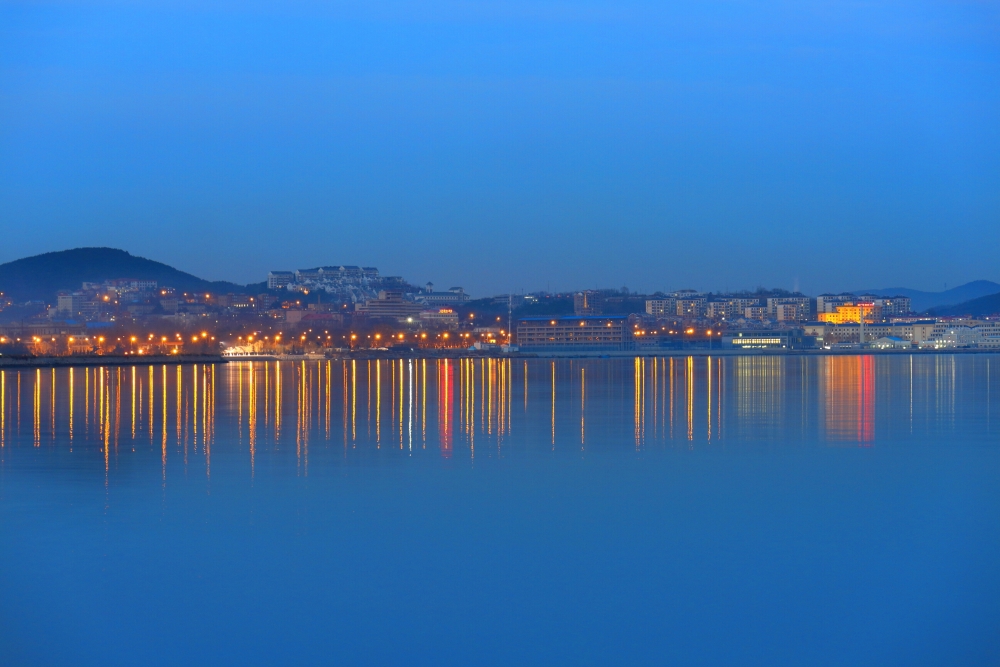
pixel 344 309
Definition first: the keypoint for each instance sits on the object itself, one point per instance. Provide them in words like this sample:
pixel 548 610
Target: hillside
pixel 984 305
pixel 41 276
pixel 924 300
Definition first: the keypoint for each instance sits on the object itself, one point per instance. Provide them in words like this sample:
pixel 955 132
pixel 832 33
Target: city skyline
pixel 679 283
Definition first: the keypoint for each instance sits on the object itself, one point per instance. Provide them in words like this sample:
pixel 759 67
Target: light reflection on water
pixel 773 510
pixel 488 407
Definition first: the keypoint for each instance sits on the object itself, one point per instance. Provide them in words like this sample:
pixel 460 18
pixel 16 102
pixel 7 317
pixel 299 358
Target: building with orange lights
pixel 853 313
pixel 579 333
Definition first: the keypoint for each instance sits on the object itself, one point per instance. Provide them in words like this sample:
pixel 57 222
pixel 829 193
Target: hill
pixel 925 300
pixel 984 305
pixel 41 276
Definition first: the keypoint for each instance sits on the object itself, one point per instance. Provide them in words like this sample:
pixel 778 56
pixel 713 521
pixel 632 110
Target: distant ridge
pixel 984 305
pixel 922 301
pixel 41 276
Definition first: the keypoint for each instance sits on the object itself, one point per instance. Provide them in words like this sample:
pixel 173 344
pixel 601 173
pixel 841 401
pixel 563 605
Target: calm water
pixel 736 511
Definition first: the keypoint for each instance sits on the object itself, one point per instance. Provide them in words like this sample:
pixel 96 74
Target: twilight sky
pixel 511 145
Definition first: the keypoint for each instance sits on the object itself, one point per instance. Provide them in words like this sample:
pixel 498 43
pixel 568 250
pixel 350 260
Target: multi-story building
pixel 661 308
pixel 827 303
pixel 966 333
pixel 719 310
pixel 69 304
pixel 850 332
pixel 280 279
pixel 892 306
pixel 390 304
pixel 755 312
pixel 348 283
pixel 691 306
pixel 455 296
pixel 587 302
pixel 852 313
pixel 749 340
pixel 237 302
pixel 789 312
pixel 442 317
pixel 585 332
pixel 742 303
pixel 131 285
pixel 802 308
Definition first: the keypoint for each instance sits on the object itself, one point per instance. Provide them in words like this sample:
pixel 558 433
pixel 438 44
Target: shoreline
pixel 155 360
pixel 109 360
pixel 572 354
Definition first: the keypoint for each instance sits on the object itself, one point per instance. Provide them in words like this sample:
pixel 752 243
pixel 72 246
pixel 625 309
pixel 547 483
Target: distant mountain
pixel 41 276
pixel 984 305
pixel 922 301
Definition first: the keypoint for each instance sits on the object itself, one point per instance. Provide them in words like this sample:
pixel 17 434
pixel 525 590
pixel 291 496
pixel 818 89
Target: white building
pixel 891 343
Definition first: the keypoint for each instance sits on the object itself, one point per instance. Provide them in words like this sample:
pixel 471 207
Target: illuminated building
pixel 691 307
pixel 718 310
pixel 892 306
pixel 390 304
pixel 586 303
pixel 348 283
pixel 750 340
pixel 850 332
pixel 853 313
pixel 455 296
pixel 965 334
pixel 891 343
pixel 440 316
pixel 827 303
pixel 789 308
pixel 660 308
pixel 585 332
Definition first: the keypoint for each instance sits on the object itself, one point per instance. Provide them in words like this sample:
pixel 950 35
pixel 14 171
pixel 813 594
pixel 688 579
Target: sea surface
pixel 758 510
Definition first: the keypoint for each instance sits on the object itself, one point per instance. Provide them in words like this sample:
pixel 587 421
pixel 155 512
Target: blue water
pixel 694 511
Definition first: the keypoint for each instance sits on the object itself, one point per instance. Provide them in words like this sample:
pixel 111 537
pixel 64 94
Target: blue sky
pixel 511 145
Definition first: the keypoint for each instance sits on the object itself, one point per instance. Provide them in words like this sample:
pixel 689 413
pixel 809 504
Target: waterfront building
pixel 850 332
pixel 442 317
pixel 891 343
pixel 965 334
pixel 390 304
pixel 751 340
pixel 580 333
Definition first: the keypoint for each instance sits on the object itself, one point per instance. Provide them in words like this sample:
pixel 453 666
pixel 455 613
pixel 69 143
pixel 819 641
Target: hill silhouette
pixel 984 305
pixel 922 301
pixel 41 276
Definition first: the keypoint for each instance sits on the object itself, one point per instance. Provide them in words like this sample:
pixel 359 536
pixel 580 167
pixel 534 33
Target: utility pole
pixel 861 324
pixel 510 309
